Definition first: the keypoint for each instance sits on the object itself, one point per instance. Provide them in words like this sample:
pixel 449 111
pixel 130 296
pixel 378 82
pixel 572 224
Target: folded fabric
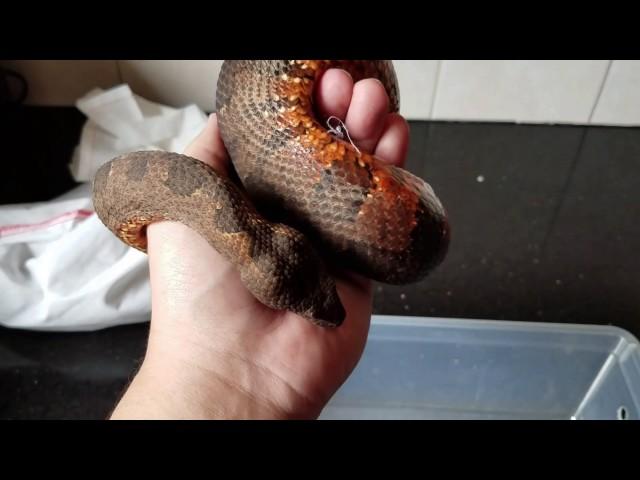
pixel 60 268
pixel 120 122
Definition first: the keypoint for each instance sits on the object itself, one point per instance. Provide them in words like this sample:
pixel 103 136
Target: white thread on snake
pixel 338 131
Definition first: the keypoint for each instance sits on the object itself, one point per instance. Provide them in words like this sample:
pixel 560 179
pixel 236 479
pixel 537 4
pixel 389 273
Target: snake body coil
pixel 308 200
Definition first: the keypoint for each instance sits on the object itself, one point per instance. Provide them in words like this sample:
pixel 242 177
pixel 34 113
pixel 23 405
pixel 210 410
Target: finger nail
pixel 345 71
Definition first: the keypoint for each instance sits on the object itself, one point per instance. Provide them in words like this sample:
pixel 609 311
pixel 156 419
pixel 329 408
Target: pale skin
pixel 214 351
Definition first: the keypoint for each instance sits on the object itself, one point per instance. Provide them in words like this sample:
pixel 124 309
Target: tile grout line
pixel 573 166
pixel 435 90
pixel 565 188
pixel 600 90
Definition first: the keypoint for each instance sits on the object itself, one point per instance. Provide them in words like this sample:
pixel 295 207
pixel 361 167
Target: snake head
pixel 285 272
pixel 324 307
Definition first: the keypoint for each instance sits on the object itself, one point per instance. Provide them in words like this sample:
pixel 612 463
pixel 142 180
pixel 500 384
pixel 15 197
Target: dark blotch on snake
pixel 137 169
pixel 181 180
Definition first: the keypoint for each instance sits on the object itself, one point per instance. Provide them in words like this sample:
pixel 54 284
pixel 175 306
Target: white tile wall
pixel 619 103
pixel 544 91
pixel 553 91
pixel 62 82
pixel 173 82
pixel 417 81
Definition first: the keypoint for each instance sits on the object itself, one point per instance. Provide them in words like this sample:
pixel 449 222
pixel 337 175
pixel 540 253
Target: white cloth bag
pixel 60 268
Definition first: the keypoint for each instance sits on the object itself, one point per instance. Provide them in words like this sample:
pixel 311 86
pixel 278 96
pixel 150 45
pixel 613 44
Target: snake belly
pixel 307 201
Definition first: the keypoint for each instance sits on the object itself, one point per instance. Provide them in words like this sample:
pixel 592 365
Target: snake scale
pixel 307 201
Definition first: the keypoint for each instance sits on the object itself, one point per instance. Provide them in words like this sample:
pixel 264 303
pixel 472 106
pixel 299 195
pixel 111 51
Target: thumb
pixel 209 148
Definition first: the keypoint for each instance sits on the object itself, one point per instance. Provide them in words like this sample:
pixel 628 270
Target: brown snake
pixel 308 201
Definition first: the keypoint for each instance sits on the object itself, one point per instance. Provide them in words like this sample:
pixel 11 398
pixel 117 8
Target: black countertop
pixel 545 222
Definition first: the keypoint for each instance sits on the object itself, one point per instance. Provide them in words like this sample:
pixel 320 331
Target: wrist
pixel 158 393
pixel 208 386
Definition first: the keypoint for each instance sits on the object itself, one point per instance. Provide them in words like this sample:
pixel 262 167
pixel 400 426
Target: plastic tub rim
pixel 412 321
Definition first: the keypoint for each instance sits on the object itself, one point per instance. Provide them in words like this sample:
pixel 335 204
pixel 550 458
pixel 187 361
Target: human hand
pixel 214 351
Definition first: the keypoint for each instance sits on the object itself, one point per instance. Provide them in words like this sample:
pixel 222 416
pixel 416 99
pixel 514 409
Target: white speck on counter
pixel 406 307
pixel 483 260
pixel 402 296
pixel 379 289
pixel 558 282
pixel 449 293
pixel 480 178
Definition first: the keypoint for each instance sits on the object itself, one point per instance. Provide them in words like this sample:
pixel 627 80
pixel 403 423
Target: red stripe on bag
pixel 65 217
